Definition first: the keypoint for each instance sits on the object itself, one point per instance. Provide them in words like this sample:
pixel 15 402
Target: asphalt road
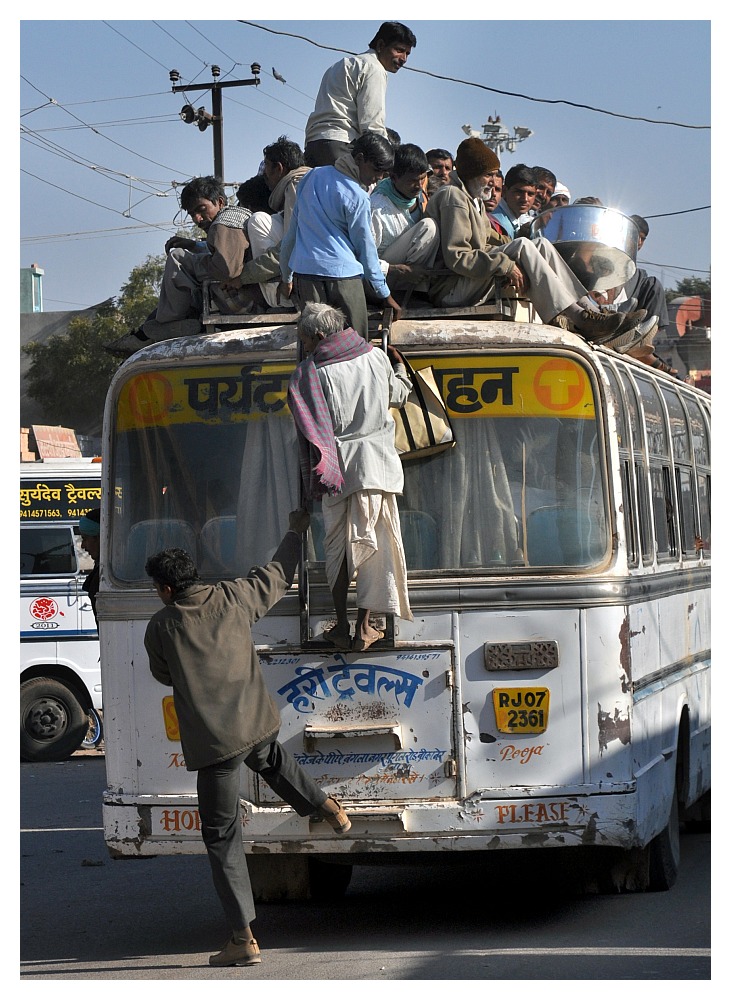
pixel 85 916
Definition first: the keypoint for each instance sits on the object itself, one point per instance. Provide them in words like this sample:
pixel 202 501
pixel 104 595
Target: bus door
pixel 376 725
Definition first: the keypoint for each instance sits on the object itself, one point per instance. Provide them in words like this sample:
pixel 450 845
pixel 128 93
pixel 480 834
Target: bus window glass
pixel 680 440
pixel 658 446
pixel 206 459
pixel 640 467
pixel 679 435
pixel 625 458
pixel 687 519
pixel 657 437
pixel 699 436
pixel 704 509
pixel 47 551
pixel 525 484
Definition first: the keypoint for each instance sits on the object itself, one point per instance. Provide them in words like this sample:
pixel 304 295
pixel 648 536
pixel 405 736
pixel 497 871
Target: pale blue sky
pixel 102 146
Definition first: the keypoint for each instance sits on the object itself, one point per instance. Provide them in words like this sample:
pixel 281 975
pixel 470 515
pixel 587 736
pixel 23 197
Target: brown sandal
pixel 360 644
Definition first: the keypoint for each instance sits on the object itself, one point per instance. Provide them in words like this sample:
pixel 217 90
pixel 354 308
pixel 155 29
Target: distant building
pixel 689 334
pixel 31 289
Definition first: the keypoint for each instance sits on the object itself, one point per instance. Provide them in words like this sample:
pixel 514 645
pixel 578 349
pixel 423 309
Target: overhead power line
pixel 482 86
pixel 685 211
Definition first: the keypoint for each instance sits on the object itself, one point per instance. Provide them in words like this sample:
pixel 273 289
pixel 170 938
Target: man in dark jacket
pixel 200 643
pixel 89 529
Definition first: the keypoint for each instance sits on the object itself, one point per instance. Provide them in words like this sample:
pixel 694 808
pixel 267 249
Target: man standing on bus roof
pixel 200 643
pixel 352 96
pixel 340 397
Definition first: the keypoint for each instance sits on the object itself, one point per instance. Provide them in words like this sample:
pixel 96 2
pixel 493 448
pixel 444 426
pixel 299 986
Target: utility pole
pixel 202 118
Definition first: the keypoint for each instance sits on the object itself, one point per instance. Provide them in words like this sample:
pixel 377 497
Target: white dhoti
pixel 365 529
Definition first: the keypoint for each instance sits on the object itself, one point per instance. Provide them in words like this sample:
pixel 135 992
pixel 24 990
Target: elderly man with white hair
pixel 340 396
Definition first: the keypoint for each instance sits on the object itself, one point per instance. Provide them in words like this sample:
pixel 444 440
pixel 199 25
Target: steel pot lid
pixel 599 244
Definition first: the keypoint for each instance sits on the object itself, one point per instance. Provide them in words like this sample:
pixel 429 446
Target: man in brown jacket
pixel 474 255
pixel 200 644
pixel 190 262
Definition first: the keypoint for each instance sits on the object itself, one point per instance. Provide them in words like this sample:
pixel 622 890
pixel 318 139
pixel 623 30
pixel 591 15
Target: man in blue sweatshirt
pixel 328 251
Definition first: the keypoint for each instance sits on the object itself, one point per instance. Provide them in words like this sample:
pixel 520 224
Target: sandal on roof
pixel 662 366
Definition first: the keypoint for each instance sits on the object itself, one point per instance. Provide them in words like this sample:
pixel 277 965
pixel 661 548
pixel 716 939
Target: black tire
pixel 95 731
pixel 665 852
pixel 328 882
pixel 53 723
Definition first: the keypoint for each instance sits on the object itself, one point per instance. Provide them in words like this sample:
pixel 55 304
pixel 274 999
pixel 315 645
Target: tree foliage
pixel 70 373
pixel 690 286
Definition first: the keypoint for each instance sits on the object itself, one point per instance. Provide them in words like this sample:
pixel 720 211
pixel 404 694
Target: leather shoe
pixel 337 817
pixel 129 344
pixel 237 953
pixel 597 326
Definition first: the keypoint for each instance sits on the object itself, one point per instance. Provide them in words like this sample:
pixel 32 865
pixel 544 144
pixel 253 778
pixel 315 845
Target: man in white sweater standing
pixel 352 95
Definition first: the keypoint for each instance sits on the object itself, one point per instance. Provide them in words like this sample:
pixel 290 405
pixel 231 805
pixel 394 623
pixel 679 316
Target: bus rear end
pixel 500 718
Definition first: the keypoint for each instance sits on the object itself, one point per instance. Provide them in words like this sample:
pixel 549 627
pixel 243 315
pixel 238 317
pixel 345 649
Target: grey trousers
pixel 220 812
pixel 181 289
pixel 347 294
pixel 552 285
pixel 324 152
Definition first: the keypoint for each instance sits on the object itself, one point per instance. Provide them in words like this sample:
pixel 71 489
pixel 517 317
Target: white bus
pixel 553 690
pixel 60 673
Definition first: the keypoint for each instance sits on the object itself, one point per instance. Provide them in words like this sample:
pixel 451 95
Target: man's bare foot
pixel 338 635
pixel 365 636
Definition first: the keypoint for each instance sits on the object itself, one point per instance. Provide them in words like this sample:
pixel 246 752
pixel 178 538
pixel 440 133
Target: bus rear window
pixel 206 459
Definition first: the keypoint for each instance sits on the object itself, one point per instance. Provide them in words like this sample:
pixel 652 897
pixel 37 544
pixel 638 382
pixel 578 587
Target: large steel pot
pixel 598 244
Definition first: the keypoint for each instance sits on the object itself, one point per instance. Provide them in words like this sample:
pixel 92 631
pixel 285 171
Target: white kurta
pixel 359 394
pixel 362 524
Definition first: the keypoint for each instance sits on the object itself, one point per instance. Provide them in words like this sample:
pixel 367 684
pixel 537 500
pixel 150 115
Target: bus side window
pixel 640 471
pixel 682 457
pixel 661 486
pixel 629 504
pixel 47 552
pixel 701 450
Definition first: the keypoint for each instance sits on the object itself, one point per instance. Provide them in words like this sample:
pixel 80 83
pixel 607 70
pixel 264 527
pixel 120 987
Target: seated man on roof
pixel 284 168
pixel 186 268
pixel 407 241
pixel 470 250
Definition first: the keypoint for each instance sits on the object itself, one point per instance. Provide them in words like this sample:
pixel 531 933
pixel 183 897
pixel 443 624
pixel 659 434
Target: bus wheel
pixel 95 731
pixel 52 721
pixel 329 881
pixel 697 818
pixel 665 852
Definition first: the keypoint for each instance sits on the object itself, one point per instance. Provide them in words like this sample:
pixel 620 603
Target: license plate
pixel 521 710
